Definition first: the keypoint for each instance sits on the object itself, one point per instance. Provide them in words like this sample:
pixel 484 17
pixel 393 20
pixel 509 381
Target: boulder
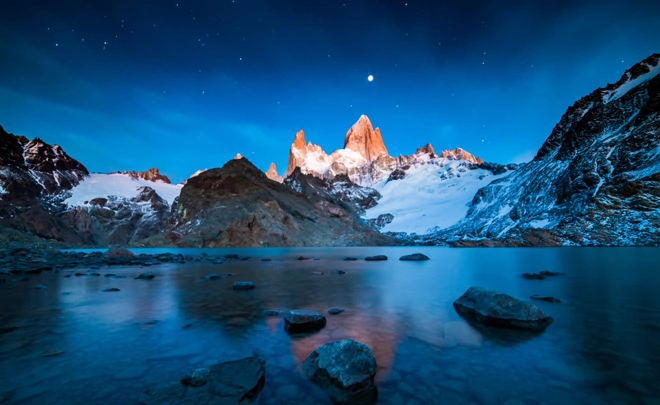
pixel 144 276
pixel 415 257
pixel 232 382
pixel 345 370
pixel 303 321
pixel 243 285
pixel 375 258
pixel 492 308
pixel 119 252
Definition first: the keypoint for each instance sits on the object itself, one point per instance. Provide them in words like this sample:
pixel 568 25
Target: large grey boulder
pixel 493 308
pixel 303 321
pixel 345 370
pixel 232 382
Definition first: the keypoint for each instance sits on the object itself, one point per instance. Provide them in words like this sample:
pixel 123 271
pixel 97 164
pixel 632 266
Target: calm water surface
pixel 603 347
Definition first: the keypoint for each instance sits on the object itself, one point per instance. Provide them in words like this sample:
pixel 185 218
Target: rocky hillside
pixel 237 205
pixel 32 174
pixel 595 181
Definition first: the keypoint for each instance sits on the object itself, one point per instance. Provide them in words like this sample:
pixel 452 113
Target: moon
pixel 370 78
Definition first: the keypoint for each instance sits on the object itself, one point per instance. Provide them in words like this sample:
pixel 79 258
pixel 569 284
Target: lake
pixel 108 347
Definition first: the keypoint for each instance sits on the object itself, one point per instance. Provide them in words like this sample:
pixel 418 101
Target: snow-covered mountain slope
pixel 121 185
pixel 432 194
pixel 595 181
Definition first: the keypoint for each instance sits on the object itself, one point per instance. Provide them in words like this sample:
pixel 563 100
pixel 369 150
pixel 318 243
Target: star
pixel 370 78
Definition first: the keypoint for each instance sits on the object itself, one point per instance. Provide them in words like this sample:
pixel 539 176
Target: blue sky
pixel 185 85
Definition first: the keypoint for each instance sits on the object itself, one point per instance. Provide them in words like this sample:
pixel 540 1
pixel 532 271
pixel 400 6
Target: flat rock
pixel 492 308
pixel 243 285
pixel 335 311
pixel 350 259
pixel 415 257
pixel 113 289
pixel 303 321
pixel 232 382
pixel 375 258
pixel 213 277
pixel 345 370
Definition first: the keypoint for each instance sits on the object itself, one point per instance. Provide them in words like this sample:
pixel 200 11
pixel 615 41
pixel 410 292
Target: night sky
pixel 184 85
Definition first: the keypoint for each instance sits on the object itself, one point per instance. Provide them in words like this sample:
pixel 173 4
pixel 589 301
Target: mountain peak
pixel 272 173
pixel 460 154
pixel 150 175
pixel 365 140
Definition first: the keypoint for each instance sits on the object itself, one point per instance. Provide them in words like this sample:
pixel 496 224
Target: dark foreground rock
pixel 303 321
pixel 345 370
pixel 415 257
pixel 492 308
pixel 232 382
pixel 375 258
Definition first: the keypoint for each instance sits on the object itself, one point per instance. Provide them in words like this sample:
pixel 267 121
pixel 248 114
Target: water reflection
pixel 603 346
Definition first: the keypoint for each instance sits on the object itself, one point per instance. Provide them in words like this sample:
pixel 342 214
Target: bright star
pixel 370 78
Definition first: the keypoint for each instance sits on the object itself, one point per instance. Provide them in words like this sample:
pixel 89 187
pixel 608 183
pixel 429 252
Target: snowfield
pixel 434 195
pixel 116 184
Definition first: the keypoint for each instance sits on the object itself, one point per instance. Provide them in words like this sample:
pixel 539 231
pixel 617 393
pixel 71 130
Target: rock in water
pixel 146 276
pixel 303 321
pixel 545 298
pixel 415 257
pixel 345 370
pixel 232 382
pixel 119 252
pixel 375 258
pixel 493 308
pixel 243 285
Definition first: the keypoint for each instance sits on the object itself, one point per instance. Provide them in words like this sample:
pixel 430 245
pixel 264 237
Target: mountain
pixel 362 144
pixel 46 193
pixel 420 193
pixel 237 205
pixel 32 174
pixel 595 180
pixel 119 208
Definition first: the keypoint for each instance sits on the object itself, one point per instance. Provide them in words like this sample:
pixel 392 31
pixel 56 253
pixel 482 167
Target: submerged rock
pixel 375 258
pixel 493 308
pixel 335 311
pixel 345 370
pixel 232 382
pixel 113 289
pixel 415 257
pixel 213 277
pixel 243 285
pixel 545 298
pixel 145 276
pixel 303 321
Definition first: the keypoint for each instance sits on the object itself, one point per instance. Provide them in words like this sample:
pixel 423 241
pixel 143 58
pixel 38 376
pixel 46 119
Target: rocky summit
pixel 237 205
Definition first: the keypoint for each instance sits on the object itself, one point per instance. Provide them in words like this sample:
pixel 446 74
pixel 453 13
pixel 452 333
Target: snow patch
pixel 116 184
pixel 631 84
pixel 432 196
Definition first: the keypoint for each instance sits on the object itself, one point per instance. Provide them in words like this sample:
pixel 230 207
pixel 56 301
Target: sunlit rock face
pixel 272 173
pixel 237 205
pixel 595 180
